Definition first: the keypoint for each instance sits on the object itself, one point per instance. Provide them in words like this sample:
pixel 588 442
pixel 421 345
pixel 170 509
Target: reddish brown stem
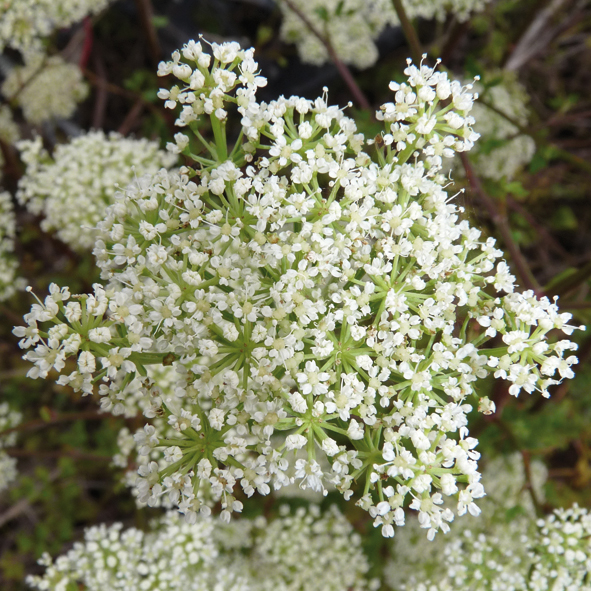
pixel 102 94
pixel 345 73
pixel 64 418
pixel 131 117
pixel 74 454
pixel 457 33
pixel 500 221
pixel 146 14
pixel 118 90
pixel 544 234
pixel 409 32
pixel 88 39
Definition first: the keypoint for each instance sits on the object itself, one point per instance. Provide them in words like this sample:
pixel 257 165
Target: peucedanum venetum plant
pixel 296 288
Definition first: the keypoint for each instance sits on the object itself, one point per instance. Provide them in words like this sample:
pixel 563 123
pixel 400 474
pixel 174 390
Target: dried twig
pixel 14 511
pixel 535 38
pixel 13 97
pixel 500 221
pixel 525 455
pixel 23 505
pixel 456 34
pixel 345 73
pixel 409 32
pixel 573 281
pixel 575 306
pixel 63 418
pixel 131 117
pixel 102 94
pixel 146 14
pixel 118 90
pixel 70 453
pixel 541 230
pixel 540 142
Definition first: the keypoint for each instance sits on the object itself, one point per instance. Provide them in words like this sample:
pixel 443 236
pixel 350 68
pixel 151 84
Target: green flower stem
pixel 219 133
pixel 172 468
pixel 230 461
pixel 367 481
pixel 311 447
pixel 204 161
pixel 177 442
pixel 319 432
pixel 380 491
pixel 334 429
pixel 208 146
pixel 377 437
pixel 147 358
pixel 464 328
pixel 99 376
pixel 237 145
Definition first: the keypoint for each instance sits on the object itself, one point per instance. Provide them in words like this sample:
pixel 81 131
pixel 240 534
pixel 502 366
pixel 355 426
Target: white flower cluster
pixel 427 9
pixel 309 295
pixel 46 88
pixel 73 187
pixel 352 26
pixel 8 419
pixel 306 551
pixel 9 283
pixel 505 150
pixel 416 560
pixel 25 23
pixel 521 554
pixel 554 553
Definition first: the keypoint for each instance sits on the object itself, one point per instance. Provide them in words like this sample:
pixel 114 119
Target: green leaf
pixel 45 413
pixel 538 162
pixel 517 189
pixel 264 34
pixel 564 219
pixel 322 13
pixel 160 21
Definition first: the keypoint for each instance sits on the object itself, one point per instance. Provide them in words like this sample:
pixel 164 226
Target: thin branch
pixel 72 453
pixel 575 305
pixel 563 154
pixel 564 118
pixel 102 94
pixel 64 418
pixel 522 129
pixel 24 504
pixel 535 38
pixel 131 118
pixel 12 169
pixel 14 511
pixel 456 34
pixel 146 14
pixel 500 221
pixel 88 42
pixel 525 455
pixel 409 32
pixel 541 230
pixel 345 73
pixel 14 96
pixel 573 281
pixel 118 90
